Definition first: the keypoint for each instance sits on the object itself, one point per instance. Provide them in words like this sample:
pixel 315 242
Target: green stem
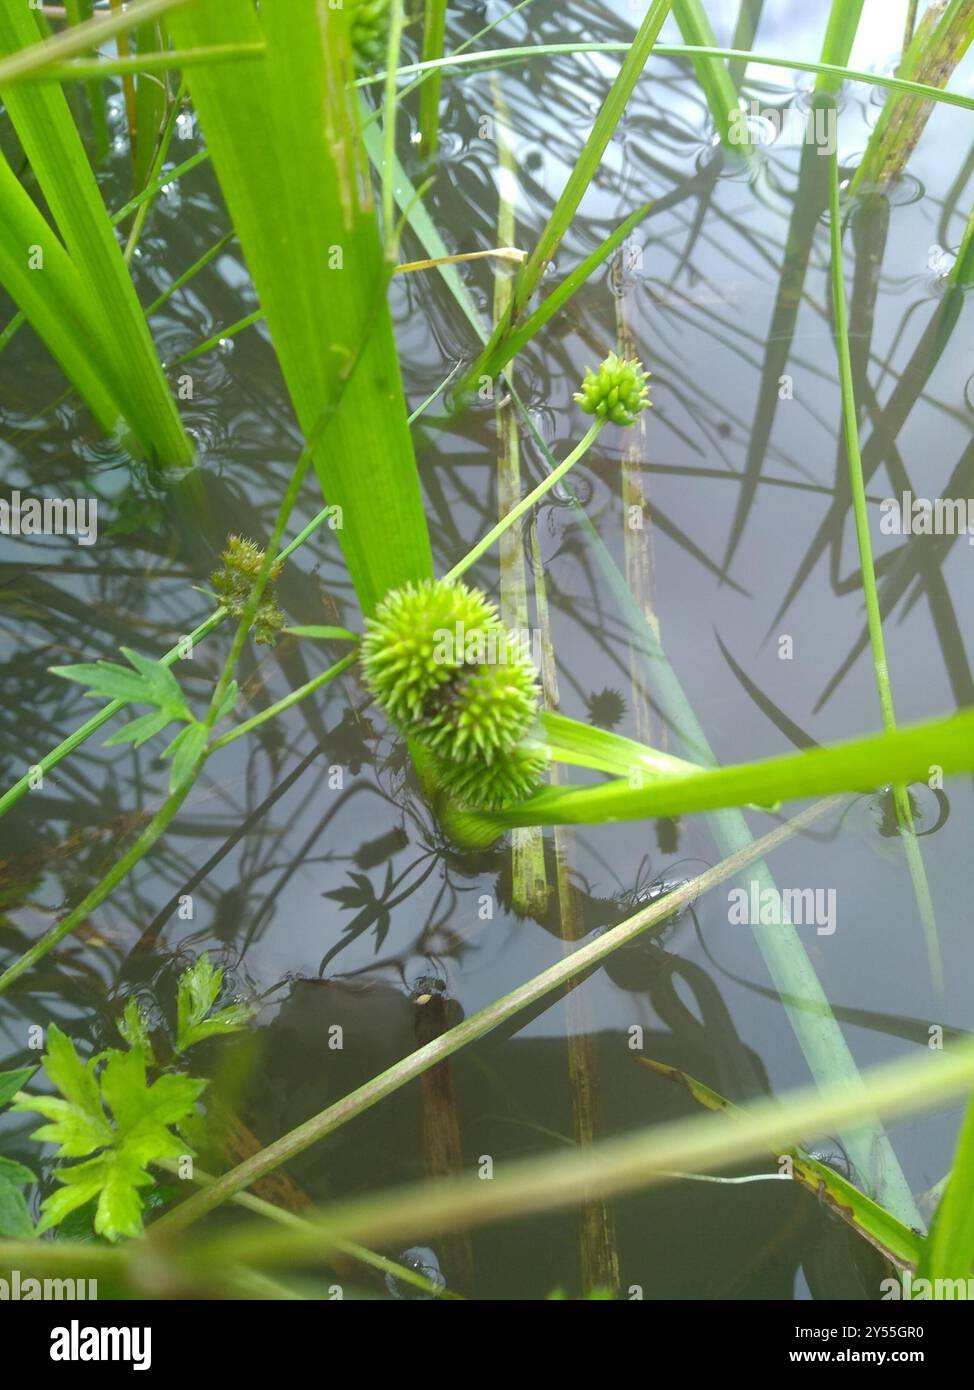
pixel 105 886
pixel 874 617
pixel 155 173
pixel 571 967
pixel 84 69
pixel 526 503
pixel 92 725
pixel 190 272
pixel 495 56
pixel 273 710
pixel 389 231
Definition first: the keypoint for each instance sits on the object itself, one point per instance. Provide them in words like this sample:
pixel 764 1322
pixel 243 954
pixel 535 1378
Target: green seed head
pixel 509 779
pixel 440 662
pixel 368 26
pixel 488 707
pixel 617 391
pixel 241 563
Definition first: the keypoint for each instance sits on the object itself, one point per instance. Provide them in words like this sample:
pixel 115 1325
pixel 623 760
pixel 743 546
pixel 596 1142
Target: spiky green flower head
pixel 617 391
pixel 440 662
pixel 493 786
pixel 489 706
pixel 240 564
pixel 409 651
pixel 369 29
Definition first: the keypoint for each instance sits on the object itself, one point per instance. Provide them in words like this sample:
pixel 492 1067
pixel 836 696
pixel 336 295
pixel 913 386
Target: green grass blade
pixel 53 298
pixel 494 57
pixel 962 271
pixel 840 35
pixel 519 338
pixel 855 765
pixel 572 742
pixel 279 135
pixel 51 142
pixel 712 73
pixel 949 1252
pixel 587 164
pixel 434 35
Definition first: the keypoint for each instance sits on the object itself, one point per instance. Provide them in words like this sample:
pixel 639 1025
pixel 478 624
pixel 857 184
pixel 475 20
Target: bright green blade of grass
pixel 874 616
pixel 840 35
pixel 80 38
pixel 712 74
pixel 837 72
pixel 570 741
pixel 962 271
pixel 282 141
pixel 949 1250
pixel 434 35
pixel 53 297
pixel 46 130
pixel 519 337
pixel 856 765
pixel 585 169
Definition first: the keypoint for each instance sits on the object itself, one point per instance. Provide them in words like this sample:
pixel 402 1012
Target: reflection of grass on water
pixel 276 98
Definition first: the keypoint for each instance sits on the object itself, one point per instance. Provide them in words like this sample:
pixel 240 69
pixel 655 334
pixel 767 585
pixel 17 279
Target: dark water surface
pixel 293 834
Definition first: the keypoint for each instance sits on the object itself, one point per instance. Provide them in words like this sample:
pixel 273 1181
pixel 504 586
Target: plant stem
pixel 874 617
pixel 389 231
pixel 838 71
pixel 526 503
pixel 105 886
pixel 92 725
pixel 386 1083
pixel 273 710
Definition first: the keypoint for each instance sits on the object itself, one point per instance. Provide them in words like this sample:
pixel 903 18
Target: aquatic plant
pixel 470 705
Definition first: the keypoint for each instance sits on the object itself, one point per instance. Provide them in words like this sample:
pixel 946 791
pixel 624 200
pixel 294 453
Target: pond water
pixel 307 862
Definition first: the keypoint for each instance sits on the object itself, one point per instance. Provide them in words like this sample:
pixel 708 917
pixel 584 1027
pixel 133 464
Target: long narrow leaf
pixel 284 147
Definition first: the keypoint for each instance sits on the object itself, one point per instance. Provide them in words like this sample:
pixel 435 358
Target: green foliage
pixel 148 683
pixel 14 1217
pixel 240 565
pixel 96 328
pixel 949 1249
pixel 197 992
pixel 616 392
pixel 112 1116
pixel 108 1114
pixel 283 137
